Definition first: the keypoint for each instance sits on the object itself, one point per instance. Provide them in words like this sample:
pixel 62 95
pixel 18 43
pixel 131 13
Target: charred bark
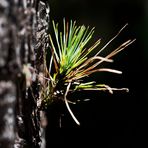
pixel 9 68
pixel 23 37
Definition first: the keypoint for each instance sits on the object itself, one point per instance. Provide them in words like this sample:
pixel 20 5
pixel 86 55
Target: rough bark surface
pixel 23 37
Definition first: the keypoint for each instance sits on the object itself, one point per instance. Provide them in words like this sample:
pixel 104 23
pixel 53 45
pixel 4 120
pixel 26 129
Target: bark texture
pixel 23 37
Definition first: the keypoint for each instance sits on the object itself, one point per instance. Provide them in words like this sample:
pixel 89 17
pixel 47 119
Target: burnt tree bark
pixel 23 37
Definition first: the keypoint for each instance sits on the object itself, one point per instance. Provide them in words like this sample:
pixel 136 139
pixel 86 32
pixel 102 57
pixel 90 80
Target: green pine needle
pixel 70 61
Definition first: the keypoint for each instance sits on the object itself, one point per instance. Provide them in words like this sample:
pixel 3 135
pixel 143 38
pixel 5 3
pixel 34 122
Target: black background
pixel 117 120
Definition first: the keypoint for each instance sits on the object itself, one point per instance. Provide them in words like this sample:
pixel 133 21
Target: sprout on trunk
pixel 70 62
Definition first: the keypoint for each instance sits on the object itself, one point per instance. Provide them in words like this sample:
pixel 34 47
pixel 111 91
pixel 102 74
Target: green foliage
pixel 70 62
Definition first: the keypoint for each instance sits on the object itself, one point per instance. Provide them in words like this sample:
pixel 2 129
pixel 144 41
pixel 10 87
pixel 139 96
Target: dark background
pixel 120 119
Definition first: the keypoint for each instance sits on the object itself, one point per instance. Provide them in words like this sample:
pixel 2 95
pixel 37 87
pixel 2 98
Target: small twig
pixel 67 105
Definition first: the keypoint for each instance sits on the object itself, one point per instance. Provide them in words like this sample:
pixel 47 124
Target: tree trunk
pixel 23 37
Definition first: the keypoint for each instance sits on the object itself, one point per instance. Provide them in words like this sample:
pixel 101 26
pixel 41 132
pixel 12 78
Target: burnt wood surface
pixel 23 34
